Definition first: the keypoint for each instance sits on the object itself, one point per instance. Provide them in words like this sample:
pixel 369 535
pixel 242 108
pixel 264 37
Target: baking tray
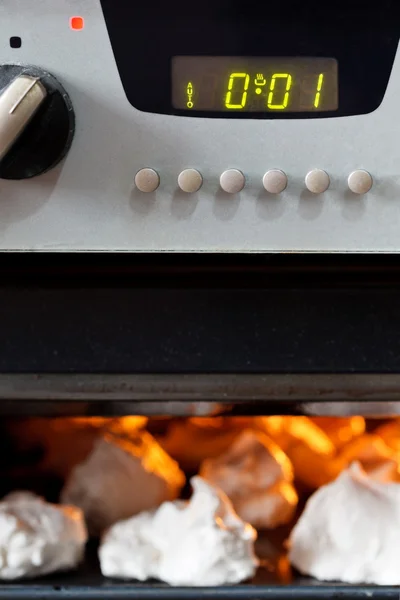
pixel 274 580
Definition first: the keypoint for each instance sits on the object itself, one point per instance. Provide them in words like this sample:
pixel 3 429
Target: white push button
pixel 147 180
pixel 232 181
pixel 360 181
pixel 317 181
pixel 275 181
pixel 190 181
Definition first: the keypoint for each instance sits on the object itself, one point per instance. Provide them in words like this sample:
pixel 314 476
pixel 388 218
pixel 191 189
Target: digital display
pixel 254 84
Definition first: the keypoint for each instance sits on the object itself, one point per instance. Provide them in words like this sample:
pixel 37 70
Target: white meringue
pixel 257 476
pixel 37 538
pixel 121 478
pixel 199 543
pixel 21 496
pixel 349 531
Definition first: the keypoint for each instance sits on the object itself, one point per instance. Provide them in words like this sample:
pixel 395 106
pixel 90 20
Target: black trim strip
pixel 119 330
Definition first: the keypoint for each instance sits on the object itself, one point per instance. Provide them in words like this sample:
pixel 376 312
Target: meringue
pixel 121 478
pixel 197 543
pixel 257 477
pixel 37 538
pixel 349 531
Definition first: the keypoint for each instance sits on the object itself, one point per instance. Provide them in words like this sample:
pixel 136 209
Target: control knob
pixel 37 122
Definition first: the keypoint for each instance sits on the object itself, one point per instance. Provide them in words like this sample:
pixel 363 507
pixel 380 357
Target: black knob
pixel 37 122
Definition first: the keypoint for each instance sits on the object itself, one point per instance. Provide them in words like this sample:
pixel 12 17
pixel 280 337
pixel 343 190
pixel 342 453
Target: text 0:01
pixel 276 99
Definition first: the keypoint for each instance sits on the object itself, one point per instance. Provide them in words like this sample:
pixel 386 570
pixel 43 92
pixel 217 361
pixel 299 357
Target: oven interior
pixel 209 338
pixel 38 452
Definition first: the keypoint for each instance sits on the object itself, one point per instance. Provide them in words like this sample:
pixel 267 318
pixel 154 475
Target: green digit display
pixel 233 77
pixel 255 84
pixel 319 88
pixel 272 104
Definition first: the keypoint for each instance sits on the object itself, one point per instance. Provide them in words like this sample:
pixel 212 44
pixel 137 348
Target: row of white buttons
pixel 233 181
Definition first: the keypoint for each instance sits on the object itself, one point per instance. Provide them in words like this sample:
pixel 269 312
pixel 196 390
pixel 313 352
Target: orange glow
pixel 288 431
pixel 341 430
pixel 305 452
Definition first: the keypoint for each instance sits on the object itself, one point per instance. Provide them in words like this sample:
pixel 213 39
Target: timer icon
pixel 259 82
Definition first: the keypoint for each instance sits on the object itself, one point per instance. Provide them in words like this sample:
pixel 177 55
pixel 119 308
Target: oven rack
pixel 273 581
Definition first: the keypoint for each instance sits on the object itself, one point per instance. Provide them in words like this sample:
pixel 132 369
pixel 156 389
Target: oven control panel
pixel 161 128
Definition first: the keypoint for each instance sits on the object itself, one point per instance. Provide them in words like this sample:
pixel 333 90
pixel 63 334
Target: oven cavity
pixel 205 501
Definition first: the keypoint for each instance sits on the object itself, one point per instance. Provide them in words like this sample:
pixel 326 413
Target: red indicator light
pixel 77 23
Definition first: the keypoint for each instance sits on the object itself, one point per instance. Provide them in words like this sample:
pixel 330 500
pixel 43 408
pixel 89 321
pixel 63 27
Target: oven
pixel 199 223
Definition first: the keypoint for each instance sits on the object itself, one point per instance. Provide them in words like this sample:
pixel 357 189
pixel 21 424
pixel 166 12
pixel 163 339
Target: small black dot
pixel 15 42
